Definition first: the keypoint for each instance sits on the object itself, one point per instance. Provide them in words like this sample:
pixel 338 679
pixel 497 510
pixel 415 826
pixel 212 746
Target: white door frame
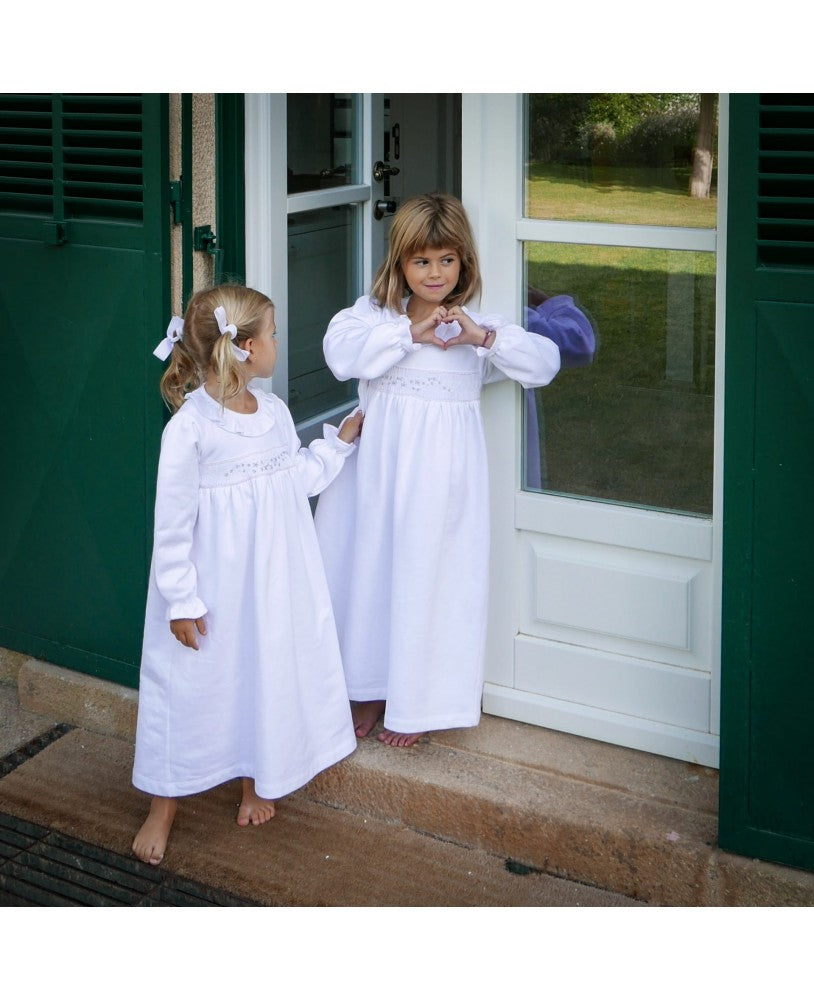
pixel 268 206
pixel 639 549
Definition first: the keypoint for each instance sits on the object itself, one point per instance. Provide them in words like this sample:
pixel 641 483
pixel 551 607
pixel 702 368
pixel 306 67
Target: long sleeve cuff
pixel 332 438
pixel 192 607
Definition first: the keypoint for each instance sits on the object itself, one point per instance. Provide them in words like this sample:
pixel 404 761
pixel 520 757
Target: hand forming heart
pixel 423 332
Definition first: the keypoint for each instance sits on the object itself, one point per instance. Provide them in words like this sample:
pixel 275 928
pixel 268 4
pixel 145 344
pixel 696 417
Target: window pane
pixel 321 140
pixel 624 158
pixel 636 424
pixel 322 256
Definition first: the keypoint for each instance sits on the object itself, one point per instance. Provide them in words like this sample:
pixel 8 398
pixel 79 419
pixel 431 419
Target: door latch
pixel 381 171
pixel 384 206
pixel 205 240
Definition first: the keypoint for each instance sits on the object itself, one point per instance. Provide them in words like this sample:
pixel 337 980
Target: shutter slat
pixel 86 190
pixel 106 151
pixel 26 165
pixel 108 100
pixel 14 129
pixel 119 169
pixel 22 182
pixel 115 135
pixel 78 203
pixel 781 221
pixel 803 244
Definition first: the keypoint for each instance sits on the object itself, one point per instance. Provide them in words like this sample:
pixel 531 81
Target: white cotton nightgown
pixel 404 528
pixel 264 697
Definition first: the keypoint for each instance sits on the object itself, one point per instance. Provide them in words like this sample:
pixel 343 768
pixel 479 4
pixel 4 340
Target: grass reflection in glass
pixel 654 196
pixel 637 425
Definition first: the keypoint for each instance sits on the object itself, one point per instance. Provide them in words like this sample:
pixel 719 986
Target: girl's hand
pixel 351 427
pixel 184 630
pixel 471 333
pixel 424 332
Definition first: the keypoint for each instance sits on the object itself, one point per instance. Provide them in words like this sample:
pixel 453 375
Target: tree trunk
pixel 702 156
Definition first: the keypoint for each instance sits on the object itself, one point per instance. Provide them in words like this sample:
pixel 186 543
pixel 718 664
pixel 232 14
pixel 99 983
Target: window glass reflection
pixel 320 141
pixel 634 424
pixel 322 254
pixel 591 157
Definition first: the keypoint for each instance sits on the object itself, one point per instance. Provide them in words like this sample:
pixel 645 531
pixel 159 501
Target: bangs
pixel 433 234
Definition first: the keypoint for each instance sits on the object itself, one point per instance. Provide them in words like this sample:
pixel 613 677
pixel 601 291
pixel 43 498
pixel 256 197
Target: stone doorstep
pixel 618 819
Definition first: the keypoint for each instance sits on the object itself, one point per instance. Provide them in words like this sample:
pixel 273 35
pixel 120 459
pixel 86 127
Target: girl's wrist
pixel 488 337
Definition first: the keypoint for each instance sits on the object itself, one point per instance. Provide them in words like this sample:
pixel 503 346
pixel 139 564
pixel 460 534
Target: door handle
pixel 381 171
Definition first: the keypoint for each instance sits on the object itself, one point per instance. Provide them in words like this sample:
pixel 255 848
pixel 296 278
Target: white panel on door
pixel 622 684
pixel 623 601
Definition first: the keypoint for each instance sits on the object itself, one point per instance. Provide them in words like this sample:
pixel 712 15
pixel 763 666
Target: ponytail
pixel 182 376
pixel 231 373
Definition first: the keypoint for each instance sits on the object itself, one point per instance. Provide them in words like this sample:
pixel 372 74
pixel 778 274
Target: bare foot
pixel 151 840
pixel 399 739
pixel 252 808
pixel 365 716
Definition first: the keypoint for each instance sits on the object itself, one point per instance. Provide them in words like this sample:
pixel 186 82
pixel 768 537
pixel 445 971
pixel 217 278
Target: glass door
pixel 605 609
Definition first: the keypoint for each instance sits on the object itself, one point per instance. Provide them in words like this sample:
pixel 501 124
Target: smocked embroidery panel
pixel 453 387
pixel 231 471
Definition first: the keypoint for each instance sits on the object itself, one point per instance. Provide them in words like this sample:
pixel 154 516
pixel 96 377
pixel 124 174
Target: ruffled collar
pixel 245 424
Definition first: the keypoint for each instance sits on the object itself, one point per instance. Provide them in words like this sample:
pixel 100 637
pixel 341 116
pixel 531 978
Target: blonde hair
pixel 204 347
pixel 438 221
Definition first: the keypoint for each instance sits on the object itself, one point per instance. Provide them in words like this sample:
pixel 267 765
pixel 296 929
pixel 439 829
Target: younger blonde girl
pixel 241 675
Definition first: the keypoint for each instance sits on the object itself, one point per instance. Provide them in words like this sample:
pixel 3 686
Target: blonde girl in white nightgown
pixel 404 529
pixel 241 674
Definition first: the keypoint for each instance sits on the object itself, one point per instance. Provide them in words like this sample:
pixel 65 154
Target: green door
pixel 767 739
pixel 83 300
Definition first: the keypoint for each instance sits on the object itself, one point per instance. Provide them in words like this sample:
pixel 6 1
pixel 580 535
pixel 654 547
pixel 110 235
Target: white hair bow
pixel 231 329
pixel 175 332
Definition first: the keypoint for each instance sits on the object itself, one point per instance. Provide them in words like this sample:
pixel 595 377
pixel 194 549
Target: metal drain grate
pixel 32 748
pixel 41 867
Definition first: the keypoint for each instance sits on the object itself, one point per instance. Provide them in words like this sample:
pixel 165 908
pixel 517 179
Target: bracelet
pixel 487 335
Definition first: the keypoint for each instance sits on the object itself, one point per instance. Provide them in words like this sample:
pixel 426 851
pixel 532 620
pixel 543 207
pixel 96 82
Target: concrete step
pixel 629 822
pixel 77 791
pixel 619 820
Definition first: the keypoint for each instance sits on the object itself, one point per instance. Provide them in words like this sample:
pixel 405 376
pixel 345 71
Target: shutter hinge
pixel 56 233
pixel 175 201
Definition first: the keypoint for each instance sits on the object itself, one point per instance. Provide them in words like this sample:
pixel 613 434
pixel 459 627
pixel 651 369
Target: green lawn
pixel 636 195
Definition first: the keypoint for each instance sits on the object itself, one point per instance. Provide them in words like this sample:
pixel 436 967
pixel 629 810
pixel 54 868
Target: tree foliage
pixel 631 129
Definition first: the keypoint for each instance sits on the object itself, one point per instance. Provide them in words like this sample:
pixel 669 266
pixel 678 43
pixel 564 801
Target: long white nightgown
pixel 404 529
pixel 264 696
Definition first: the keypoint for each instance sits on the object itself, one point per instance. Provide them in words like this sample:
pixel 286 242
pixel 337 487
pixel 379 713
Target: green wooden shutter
pixel 72 160
pixel 84 298
pixel 231 186
pixel 767 739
